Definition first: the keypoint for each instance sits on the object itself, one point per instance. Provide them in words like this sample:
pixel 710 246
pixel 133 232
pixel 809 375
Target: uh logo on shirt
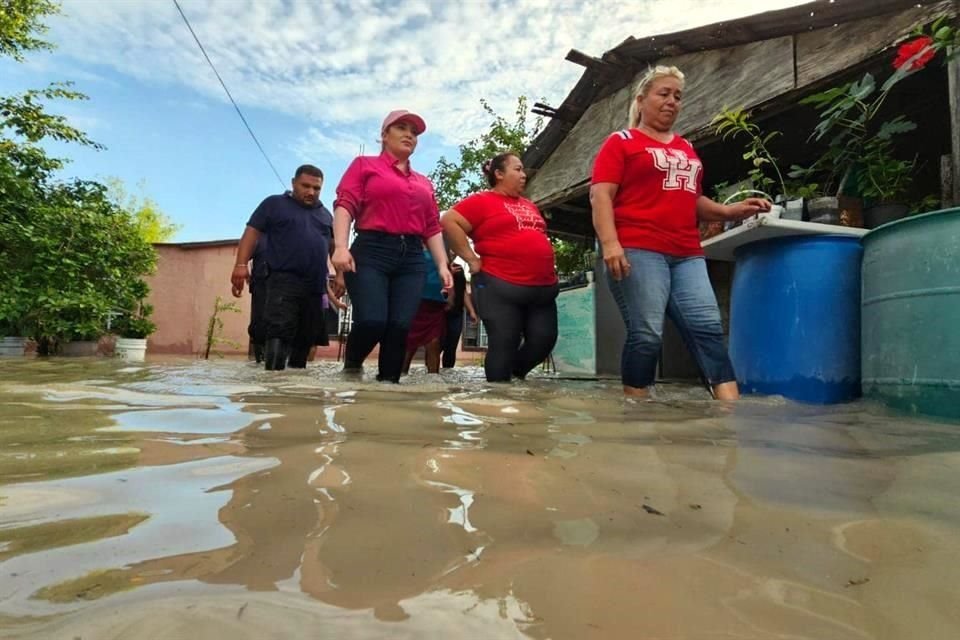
pixel 680 171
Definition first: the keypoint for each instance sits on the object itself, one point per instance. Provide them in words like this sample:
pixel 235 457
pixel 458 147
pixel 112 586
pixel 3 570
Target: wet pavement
pixel 215 500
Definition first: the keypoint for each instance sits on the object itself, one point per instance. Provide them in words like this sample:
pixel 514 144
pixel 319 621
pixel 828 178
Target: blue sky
pixel 314 80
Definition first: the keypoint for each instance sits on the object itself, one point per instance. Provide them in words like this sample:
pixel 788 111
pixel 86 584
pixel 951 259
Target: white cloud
pixel 316 142
pixel 347 62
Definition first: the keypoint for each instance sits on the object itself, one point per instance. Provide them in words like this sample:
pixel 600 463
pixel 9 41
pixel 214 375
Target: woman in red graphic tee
pixel 514 278
pixel 647 200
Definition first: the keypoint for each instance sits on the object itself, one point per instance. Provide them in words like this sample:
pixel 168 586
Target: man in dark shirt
pixel 299 234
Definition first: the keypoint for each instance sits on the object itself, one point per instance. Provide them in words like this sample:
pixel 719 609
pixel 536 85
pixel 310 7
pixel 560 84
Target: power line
pixel 227 91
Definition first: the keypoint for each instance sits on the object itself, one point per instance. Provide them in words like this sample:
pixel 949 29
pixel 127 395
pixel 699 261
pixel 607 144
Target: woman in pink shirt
pixel 395 214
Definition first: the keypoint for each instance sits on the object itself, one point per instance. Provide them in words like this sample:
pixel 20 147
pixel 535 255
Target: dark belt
pixel 406 241
pixel 386 235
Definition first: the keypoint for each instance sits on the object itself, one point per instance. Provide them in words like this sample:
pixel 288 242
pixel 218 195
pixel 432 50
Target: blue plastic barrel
pixel 795 318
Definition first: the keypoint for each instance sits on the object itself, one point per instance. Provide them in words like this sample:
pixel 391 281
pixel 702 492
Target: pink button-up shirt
pixel 381 197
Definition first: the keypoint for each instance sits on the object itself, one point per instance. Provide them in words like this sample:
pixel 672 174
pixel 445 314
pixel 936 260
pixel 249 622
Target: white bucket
pixel 11 347
pixel 132 349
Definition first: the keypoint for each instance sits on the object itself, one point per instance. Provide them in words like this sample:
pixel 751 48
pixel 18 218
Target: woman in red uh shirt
pixel 647 199
pixel 514 277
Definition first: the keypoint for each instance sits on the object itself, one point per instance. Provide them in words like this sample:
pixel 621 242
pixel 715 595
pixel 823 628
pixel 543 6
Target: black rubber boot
pixel 275 354
pixel 298 358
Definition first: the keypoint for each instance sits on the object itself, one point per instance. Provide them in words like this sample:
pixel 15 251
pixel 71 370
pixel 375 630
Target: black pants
pixel 258 299
pixel 451 339
pixel 521 324
pixel 293 312
pixel 385 293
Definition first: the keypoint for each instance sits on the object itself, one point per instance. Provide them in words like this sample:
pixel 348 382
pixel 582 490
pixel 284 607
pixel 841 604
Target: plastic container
pixel 132 349
pixel 795 318
pixel 911 314
pixel 12 347
pixel 79 349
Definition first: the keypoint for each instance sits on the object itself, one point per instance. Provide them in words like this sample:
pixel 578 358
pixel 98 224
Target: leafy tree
pixel 571 256
pixel 78 257
pixel 68 253
pixel 20 22
pixel 25 168
pixel 455 180
pixel 153 223
pixel 27 118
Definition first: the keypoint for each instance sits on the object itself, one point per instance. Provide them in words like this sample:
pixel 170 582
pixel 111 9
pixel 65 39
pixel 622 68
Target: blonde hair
pixel 652 75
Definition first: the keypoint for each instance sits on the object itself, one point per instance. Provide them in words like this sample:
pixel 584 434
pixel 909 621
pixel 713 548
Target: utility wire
pixel 227 91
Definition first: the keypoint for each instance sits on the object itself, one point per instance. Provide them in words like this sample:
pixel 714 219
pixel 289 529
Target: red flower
pixel 922 46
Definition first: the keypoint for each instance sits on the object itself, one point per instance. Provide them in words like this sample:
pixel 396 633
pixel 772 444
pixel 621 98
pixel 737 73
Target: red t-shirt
pixel 656 205
pixel 510 236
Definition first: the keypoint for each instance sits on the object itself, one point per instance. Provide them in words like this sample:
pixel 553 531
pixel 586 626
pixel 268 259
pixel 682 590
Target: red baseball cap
pixel 402 114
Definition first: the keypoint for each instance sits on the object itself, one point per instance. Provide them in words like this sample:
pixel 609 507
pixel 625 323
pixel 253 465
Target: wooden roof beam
pixel 590 62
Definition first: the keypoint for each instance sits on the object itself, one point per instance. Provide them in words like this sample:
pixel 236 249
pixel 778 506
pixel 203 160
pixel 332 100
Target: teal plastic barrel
pixel 911 314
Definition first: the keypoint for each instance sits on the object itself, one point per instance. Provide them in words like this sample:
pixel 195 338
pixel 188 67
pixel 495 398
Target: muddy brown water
pixel 214 500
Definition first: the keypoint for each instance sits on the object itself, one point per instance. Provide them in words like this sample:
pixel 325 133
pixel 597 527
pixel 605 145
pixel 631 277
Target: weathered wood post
pixel 953 86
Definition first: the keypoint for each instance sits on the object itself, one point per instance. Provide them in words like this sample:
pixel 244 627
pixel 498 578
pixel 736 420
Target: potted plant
pixel 12 342
pixel 132 330
pixel 67 323
pixel 134 325
pixel 82 340
pixel 731 123
pixel 860 158
pixel 884 182
pixel 799 199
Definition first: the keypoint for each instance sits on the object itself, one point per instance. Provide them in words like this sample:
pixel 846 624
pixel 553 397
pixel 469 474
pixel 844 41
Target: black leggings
pixel 521 324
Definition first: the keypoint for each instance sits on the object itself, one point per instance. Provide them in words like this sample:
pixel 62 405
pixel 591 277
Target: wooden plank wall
pixel 953 89
pixel 742 76
pixel 572 160
pixel 826 52
pixel 735 76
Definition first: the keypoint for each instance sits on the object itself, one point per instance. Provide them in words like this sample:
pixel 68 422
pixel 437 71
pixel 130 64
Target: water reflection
pixel 243 505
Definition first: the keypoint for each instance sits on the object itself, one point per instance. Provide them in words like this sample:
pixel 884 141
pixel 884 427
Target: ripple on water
pixel 214 499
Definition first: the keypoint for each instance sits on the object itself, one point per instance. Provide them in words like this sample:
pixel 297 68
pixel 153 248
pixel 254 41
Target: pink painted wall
pixel 188 279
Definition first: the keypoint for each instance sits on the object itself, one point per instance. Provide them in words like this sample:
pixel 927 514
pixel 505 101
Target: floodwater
pixel 210 500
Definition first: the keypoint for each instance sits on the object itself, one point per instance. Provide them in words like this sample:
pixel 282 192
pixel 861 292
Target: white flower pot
pixel 132 349
pixel 12 347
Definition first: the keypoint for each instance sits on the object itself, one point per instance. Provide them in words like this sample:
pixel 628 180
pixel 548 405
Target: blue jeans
pixel 659 284
pixel 385 293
